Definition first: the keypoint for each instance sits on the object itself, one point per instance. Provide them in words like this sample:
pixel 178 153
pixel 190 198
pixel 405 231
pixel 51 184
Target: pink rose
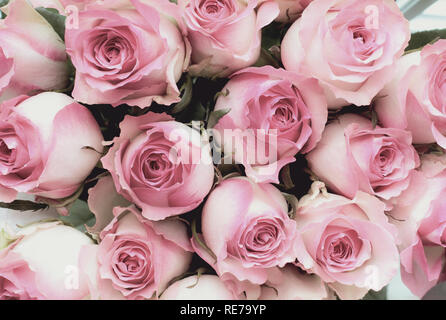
pixel 290 110
pixel 415 99
pixel 32 55
pixel 349 243
pixel 204 287
pixel 48 146
pixel 290 10
pixel 225 35
pixel 161 165
pixel 247 227
pixel 420 216
pixel 136 258
pixel 353 156
pixel 43 264
pixel 349 46
pixel 127 52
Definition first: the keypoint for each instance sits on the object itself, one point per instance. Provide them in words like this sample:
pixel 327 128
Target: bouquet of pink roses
pixel 220 149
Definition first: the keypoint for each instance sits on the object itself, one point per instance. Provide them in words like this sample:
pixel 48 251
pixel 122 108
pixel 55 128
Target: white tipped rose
pixel 43 264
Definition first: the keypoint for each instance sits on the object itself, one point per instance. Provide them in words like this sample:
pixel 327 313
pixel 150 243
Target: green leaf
pixel 24 205
pixel 197 238
pixel 5 239
pixel 420 39
pixel 285 175
pixel 200 272
pixel 292 204
pixel 2 4
pixel 376 295
pixel 273 34
pixel 266 58
pixel 186 98
pixel 79 216
pixel 221 94
pixel 195 111
pixel 215 116
pixel 56 20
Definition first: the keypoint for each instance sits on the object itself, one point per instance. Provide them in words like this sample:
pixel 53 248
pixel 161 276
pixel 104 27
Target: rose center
pixel 364 41
pixel 385 160
pixel 265 236
pixel 358 36
pixel 259 244
pixel 130 264
pixel 215 10
pixel 131 260
pixel 8 291
pixel 112 53
pixel 212 8
pixel 341 249
pixel 5 152
pixel 154 165
pixel 283 115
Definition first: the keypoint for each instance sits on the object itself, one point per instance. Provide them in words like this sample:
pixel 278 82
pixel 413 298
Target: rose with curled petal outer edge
pixel 350 46
pixel 280 115
pixel 249 233
pixel 42 264
pixel 49 144
pixel 354 155
pixel 135 258
pixel 420 216
pixel 225 35
pixel 32 55
pixel 415 100
pixel 161 165
pixel 128 52
pixel 350 244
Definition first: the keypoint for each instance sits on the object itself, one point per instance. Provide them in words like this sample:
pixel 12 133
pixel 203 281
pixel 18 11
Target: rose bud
pixel 161 165
pixel 293 283
pixel 203 287
pixel 350 46
pixel 32 55
pixel 225 35
pixel 290 10
pixel 282 114
pixel 415 99
pixel 42 263
pixel 136 258
pixel 420 217
pixel 127 52
pixel 247 228
pixel 353 155
pixel 350 243
pixel 49 144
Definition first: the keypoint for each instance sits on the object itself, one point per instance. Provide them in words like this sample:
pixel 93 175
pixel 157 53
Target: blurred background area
pixel 424 14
